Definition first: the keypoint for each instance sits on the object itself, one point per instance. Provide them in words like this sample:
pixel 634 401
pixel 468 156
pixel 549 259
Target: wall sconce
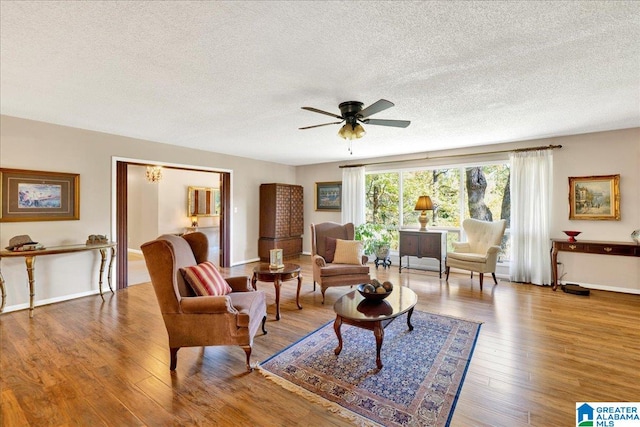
pixel 424 204
pixel 154 174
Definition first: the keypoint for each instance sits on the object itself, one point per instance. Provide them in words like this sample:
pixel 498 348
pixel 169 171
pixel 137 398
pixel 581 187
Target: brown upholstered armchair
pixel 191 320
pixel 326 272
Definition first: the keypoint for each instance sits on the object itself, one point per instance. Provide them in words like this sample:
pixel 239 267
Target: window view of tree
pixel 383 201
pixel 485 189
pixel 442 186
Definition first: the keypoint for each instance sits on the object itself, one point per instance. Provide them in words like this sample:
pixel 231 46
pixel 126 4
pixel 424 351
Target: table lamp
pixel 424 204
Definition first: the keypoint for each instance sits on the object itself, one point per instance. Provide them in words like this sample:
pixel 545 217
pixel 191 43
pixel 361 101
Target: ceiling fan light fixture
pixel 348 131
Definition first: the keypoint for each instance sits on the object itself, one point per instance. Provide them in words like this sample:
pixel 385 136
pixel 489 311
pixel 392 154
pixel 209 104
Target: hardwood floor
pixel 89 362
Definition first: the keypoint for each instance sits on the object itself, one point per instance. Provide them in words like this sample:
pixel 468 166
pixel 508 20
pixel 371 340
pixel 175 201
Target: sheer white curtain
pixel 531 186
pixel 353 197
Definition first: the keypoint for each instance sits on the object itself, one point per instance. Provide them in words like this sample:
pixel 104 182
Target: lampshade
pixel 349 131
pixel 424 204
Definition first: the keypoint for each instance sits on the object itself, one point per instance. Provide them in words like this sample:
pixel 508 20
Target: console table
pixel 423 244
pixel 30 259
pixel 589 247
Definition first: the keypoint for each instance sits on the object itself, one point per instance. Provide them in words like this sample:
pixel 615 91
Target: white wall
pixel 602 153
pixel 142 208
pixel 27 144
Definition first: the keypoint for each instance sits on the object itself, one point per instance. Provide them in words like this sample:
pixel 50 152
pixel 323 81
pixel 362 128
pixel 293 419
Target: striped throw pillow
pixel 205 279
pixel 348 252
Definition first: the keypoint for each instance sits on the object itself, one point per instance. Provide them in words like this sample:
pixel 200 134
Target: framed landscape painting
pixel 38 196
pixel 329 196
pixel 594 197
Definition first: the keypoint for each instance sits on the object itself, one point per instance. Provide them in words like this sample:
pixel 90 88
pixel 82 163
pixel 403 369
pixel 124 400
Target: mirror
pixel 203 201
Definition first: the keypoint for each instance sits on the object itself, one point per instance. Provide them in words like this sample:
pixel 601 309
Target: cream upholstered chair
pixel 331 265
pixel 230 319
pixel 480 252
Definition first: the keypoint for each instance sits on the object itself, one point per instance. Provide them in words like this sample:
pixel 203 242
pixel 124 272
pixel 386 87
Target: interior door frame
pixel 119 227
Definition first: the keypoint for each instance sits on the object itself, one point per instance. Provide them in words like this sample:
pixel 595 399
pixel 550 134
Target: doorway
pixel 123 222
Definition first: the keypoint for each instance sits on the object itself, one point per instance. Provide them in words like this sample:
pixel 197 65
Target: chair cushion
pixel 205 279
pixel 467 256
pixel 343 269
pixel 348 252
pixel 329 248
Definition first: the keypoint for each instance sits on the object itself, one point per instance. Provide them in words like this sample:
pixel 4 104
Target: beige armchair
pixel 328 273
pixel 480 252
pixel 191 320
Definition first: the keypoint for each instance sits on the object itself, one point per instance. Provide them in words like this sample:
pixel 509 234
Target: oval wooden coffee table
pixel 353 309
pixel 265 273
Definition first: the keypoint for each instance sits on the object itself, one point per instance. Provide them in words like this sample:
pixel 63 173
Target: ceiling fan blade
pixel 324 124
pixel 381 122
pixel 315 110
pixel 376 107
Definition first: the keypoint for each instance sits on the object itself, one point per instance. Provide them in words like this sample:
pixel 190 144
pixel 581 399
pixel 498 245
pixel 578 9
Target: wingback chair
pixel 480 252
pixel 328 273
pixel 231 319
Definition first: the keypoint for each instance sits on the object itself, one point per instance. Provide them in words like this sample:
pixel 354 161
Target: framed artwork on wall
pixel 594 197
pixel 329 196
pixel 39 196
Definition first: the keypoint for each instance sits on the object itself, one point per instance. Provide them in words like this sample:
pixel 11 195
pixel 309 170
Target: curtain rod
pixel 517 150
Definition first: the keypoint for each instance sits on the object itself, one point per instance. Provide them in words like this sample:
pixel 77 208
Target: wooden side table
pixel 589 247
pixel 265 273
pixel 423 244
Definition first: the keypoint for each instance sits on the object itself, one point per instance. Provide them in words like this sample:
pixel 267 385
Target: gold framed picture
pixel 594 197
pixel 329 196
pixel 39 196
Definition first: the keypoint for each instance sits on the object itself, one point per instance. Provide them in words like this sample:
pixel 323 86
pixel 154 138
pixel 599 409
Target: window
pixel 475 191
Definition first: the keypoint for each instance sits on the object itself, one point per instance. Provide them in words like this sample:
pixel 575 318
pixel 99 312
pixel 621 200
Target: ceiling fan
pixel 352 112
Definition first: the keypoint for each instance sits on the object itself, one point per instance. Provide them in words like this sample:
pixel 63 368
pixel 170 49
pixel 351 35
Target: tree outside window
pixel 485 195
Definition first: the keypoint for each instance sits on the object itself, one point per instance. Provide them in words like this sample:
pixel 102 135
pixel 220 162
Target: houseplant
pixel 376 239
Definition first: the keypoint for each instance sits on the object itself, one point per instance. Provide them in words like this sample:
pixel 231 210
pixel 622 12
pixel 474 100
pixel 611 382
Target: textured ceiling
pixel 230 77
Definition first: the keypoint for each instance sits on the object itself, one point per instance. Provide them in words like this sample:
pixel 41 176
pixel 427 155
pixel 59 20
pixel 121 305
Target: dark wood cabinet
pixel 423 244
pixel 589 247
pixel 281 220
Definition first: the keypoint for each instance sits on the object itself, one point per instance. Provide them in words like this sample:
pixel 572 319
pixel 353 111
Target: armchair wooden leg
pixel 472 274
pixel 481 277
pixel 173 351
pixel 247 351
pixel 447 272
pixel 314 286
pixel 494 278
pixel 322 290
pixel 264 320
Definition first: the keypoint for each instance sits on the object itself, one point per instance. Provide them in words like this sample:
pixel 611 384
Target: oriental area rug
pixel 418 386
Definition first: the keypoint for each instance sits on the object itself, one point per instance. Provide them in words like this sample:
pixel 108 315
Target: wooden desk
pixel 30 259
pixel 423 244
pixel 589 247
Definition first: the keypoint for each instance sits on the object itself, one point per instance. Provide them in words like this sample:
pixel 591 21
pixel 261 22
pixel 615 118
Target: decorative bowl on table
pixel 375 291
pixel 572 235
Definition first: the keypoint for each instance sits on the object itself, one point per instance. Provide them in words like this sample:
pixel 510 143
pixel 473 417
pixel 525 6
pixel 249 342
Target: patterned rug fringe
pixel 314 398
